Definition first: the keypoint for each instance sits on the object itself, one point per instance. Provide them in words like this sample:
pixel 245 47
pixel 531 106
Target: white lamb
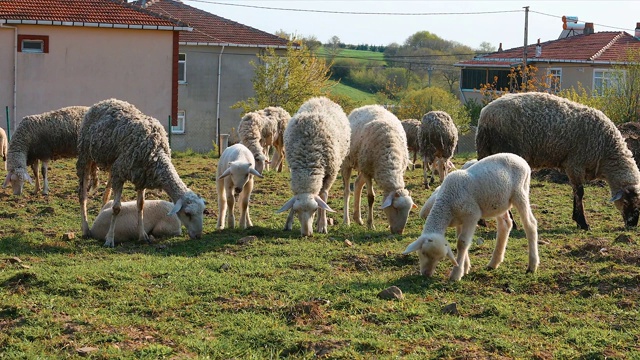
pixel 236 169
pixel 487 189
pixel 426 208
pixel 156 221
pixel 4 146
pixel 378 152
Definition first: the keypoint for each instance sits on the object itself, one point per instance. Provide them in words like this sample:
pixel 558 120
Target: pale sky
pixel 467 22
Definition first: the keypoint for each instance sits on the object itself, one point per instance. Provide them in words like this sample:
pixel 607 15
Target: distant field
pixel 365 56
pixel 364 98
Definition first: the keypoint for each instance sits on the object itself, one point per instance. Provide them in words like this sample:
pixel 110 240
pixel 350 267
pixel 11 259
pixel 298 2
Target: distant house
pixel 215 72
pixel 583 56
pixel 57 53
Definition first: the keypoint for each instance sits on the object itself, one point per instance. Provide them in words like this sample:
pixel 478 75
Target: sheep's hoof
pixel 109 244
pixel 530 271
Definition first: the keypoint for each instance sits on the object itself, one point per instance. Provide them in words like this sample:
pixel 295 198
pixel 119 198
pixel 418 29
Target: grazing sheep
pixel 378 152
pixel 281 117
pixel 552 132
pixel 156 221
pixel 630 132
pixel 43 137
pixel 4 145
pixel 256 132
pixel 426 208
pixel 236 169
pixel 487 189
pixel 316 141
pixel 438 139
pixel 116 137
pixel 412 130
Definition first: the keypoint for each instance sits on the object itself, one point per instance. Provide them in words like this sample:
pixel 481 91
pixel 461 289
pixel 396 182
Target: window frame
pixel 554 86
pixel 609 79
pixel 43 39
pixel 181 119
pixel 182 72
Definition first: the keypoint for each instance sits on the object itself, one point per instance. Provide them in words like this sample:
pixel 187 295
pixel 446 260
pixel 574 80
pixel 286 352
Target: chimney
pixel 637 34
pixel 588 28
pixel 500 47
pixel 538 49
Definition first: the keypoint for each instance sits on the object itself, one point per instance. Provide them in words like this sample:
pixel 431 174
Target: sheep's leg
pixel 413 163
pixel 425 168
pixel 142 234
pixel 578 207
pixel 322 213
pixel 36 176
pixel 82 196
pixel 442 168
pixel 107 192
pixel 245 219
pixel 504 225
pixel 222 204
pixel 346 177
pixel 464 242
pixel 117 194
pixel 45 178
pixel 357 196
pixel 530 225
pixel 371 198
pixel 231 201
pixel 289 224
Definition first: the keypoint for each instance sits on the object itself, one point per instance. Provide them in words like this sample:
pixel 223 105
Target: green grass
pixel 364 56
pixel 359 96
pixel 283 296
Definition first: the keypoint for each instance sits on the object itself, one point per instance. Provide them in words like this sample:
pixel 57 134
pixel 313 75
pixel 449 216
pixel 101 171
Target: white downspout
pixel 15 71
pixel 218 97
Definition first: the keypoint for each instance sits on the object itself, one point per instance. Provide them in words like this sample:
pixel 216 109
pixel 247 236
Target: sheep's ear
pixel 451 257
pixel 388 201
pixel 287 205
pixel 255 172
pixel 176 208
pixel 323 204
pixel 414 206
pixel 617 196
pixel 7 180
pixel 225 173
pixel 414 246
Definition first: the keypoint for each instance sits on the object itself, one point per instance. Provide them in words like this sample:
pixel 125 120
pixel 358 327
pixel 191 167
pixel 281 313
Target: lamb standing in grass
pixel 236 169
pixel 412 130
pixel 43 137
pixel 378 152
pixel 552 132
pixel 156 221
pixel 487 189
pixel 316 141
pixel 4 146
pixel 116 137
pixel 438 140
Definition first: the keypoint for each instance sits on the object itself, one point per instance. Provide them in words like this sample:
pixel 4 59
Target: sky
pixel 384 22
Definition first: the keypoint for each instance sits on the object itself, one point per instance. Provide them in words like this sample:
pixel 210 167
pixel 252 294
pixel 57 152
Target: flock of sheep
pixel 516 132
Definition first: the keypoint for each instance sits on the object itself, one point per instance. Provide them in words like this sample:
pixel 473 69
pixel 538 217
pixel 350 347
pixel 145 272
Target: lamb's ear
pixel 255 172
pixel 225 173
pixel 451 256
pixel 323 204
pixel 7 180
pixel 617 196
pixel 414 246
pixel 287 205
pixel 414 206
pixel 388 201
pixel 176 208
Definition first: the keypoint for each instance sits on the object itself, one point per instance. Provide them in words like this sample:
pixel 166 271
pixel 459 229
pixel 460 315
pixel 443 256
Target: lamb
pixel 156 221
pixel 438 139
pixel 115 136
pixel 281 118
pixel 316 142
pixel 552 132
pixel 4 144
pixel 42 138
pixel 487 189
pixel 378 152
pixel 426 208
pixel 412 130
pixel 236 169
pixel 256 131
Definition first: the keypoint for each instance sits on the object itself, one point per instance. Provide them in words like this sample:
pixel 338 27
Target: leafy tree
pixel 286 80
pixel 486 47
pixel 312 43
pixel 415 103
pixel 332 47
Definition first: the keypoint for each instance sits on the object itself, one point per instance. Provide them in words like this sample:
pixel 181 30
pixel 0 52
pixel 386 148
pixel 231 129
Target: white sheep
pixel 438 139
pixel 487 189
pixel 116 137
pixel 236 169
pixel 378 152
pixel 316 141
pixel 549 131
pixel 426 208
pixel 281 118
pixel 42 137
pixel 156 221
pixel 4 146
pixel 256 132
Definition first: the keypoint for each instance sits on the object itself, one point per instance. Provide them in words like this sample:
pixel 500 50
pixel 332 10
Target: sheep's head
pixel 305 205
pixel 240 173
pixel 627 200
pixel 16 178
pixel 431 248
pixel 396 206
pixel 261 161
pixel 190 210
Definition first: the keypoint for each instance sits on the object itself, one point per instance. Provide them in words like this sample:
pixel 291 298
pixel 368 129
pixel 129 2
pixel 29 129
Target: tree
pixel 333 47
pixel 286 80
pixel 486 47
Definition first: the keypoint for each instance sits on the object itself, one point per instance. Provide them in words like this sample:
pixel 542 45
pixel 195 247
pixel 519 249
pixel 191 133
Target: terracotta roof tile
pixel 83 11
pixel 210 28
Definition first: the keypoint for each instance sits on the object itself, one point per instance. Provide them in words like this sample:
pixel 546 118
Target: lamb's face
pixel 240 175
pixel 431 249
pixel 190 210
pixel 397 206
pixel 17 179
pixel 305 206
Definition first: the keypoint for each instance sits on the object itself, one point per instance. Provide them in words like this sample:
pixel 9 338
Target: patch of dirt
pixel 321 349
pixel 20 283
pixel 306 312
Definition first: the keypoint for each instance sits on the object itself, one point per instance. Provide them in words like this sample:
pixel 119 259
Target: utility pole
pixel 524 55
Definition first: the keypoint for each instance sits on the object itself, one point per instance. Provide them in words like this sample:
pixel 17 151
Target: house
pixel 57 53
pixel 215 72
pixel 578 56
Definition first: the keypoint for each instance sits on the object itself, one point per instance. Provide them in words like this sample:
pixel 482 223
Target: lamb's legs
pixel 222 204
pixel 142 234
pixel 245 219
pixel 464 242
pixel 504 225
pixel 322 213
pixel 357 197
pixel 36 176
pixel 115 210
pixel 371 198
pixel 530 225
pixel 45 177
pixel 346 178
pixel 231 202
pixel 82 196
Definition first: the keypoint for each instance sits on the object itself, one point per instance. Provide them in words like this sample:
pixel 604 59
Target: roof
pixel 90 13
pixel 605 47
pixel 210 29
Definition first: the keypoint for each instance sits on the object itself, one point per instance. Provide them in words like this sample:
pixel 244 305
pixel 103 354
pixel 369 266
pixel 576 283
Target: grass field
pixel 359 96
pixel 361 55
pixel 277 295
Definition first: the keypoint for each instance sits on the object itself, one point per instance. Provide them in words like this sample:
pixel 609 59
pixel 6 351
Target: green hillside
pixel 359 96
pixel 361 55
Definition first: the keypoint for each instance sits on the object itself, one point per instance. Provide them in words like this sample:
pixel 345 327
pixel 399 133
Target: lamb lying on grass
pixel 487 189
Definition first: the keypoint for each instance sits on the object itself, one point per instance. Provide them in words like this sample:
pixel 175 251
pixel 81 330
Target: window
pixel 38 44
pixel 554 80
pixel 179 128
pixel 182 68
pixel 473 78
pixel 605 79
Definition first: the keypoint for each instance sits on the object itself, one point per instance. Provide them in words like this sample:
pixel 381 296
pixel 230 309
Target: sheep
pixel 115 136
pixel 156 221
pixel 4 145
pixel 552 132
pixel 236 169
pixel 316 142
pixel 378 152
pixel 256 131
pixel 281 117
pixel 42 137
pixel 487 189
pixel 426 208
pixel 412 130
pixel 438 139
